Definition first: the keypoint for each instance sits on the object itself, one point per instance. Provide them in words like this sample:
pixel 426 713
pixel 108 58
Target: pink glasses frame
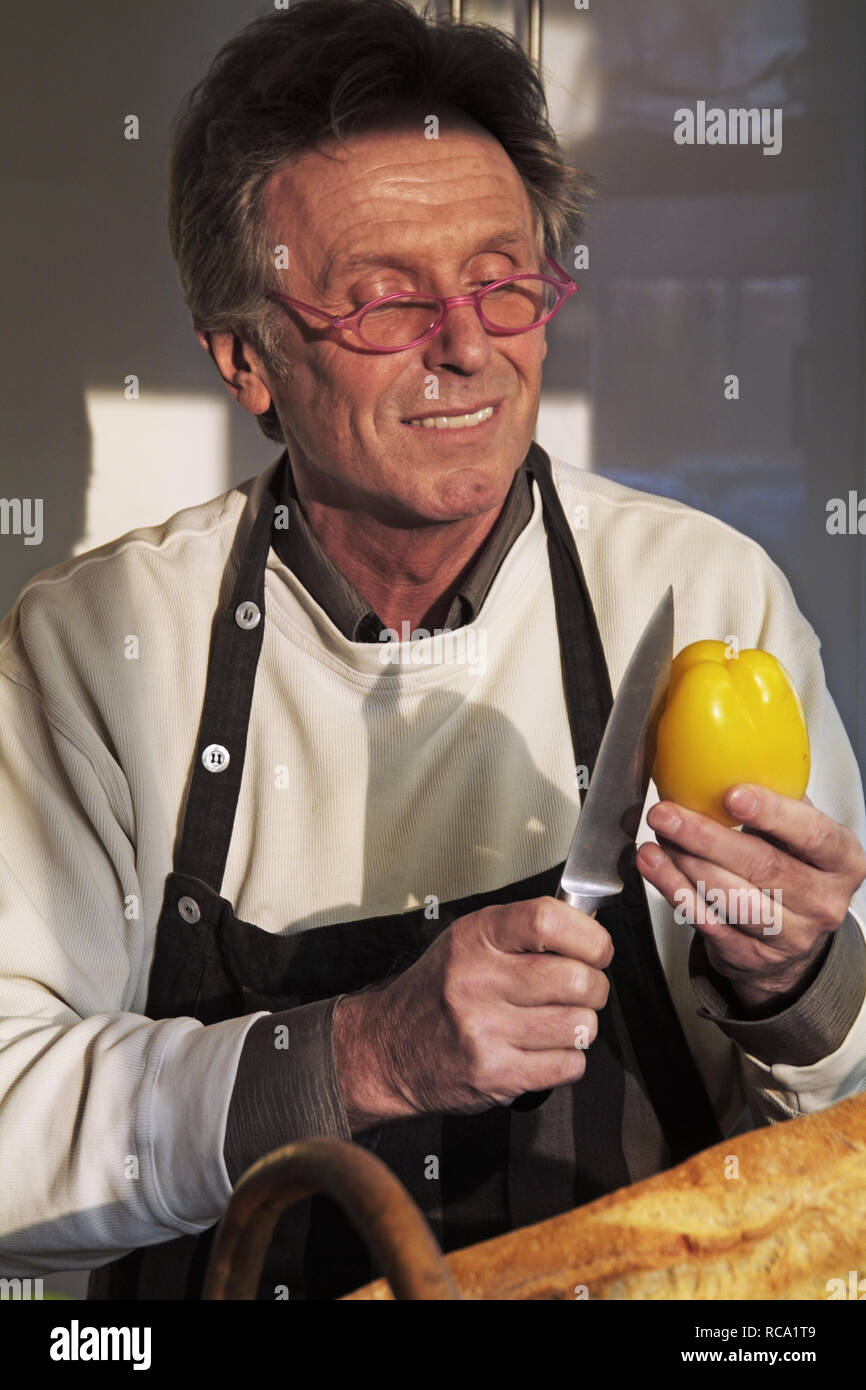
pixel 564 287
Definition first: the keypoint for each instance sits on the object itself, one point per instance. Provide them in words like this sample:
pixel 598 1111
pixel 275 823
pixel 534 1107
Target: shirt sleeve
pixel 111 1124
pixel 286 1086
pixel 811 1025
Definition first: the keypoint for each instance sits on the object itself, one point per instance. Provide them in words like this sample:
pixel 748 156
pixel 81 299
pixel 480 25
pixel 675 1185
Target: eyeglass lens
pixel 518 304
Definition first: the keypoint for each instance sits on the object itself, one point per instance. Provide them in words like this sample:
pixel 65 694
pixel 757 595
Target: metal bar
pixel 534 48
pixel 376 1203
pixel 534 17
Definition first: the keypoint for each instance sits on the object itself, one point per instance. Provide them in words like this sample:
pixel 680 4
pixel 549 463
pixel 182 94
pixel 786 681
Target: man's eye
pixel 366 295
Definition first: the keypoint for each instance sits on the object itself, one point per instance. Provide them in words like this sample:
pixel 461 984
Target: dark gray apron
pixel 217 967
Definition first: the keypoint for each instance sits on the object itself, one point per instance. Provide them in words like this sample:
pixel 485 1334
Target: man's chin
pixel 470 490
pixel 463 483
pixel 458 495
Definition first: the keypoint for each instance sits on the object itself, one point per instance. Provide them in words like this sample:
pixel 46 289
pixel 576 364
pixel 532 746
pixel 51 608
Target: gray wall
pixel 707 260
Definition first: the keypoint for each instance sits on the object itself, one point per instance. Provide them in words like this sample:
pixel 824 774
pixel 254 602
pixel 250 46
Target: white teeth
pixel 454 422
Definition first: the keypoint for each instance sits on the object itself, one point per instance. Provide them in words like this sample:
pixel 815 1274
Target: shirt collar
pixel 348 610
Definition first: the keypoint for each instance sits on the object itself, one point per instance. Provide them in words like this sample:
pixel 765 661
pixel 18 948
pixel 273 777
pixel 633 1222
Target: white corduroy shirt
pixel 368 786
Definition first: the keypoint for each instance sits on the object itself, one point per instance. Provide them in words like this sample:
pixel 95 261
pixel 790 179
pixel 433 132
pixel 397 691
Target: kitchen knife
pixel 612 808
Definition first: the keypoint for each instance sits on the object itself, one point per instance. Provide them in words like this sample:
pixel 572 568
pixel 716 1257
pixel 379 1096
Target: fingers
pixel 730 899
pixel 529 981
pixel 807 832
pixel 660 870
pixel 541 1071
pixel 803 838
pixel 548 1029
pixel 779 852
pixel 548 925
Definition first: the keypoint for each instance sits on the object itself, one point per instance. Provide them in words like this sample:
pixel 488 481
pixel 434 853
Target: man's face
pixel 391 211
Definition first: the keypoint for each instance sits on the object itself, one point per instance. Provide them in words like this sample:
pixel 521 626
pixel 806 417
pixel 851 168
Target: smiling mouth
pixel 453 422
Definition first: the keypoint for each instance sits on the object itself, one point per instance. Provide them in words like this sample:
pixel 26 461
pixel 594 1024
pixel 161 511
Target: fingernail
pixel 665 820
pixel 652 856
pixel 744 802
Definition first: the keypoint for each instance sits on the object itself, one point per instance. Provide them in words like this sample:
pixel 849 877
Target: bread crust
pixel 774 1213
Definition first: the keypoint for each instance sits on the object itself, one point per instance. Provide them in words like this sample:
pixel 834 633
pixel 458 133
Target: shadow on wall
pixel 45 463
pixel 90 291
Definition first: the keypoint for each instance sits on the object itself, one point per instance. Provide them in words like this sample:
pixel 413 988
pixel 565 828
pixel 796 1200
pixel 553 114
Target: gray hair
pixel 324 69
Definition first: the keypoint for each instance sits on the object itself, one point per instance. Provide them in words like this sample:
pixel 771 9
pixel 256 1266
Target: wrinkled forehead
pixel 424 177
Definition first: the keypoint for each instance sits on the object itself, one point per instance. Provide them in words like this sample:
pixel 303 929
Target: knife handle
pixel 584 902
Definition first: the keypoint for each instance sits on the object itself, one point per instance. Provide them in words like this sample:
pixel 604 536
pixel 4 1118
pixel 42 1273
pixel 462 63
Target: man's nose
pixel 461 342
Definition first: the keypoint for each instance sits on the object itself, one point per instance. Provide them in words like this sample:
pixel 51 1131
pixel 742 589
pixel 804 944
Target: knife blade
pixel 611 811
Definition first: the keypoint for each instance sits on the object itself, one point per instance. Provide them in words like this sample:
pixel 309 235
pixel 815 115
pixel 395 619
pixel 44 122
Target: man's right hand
pixel 504 1001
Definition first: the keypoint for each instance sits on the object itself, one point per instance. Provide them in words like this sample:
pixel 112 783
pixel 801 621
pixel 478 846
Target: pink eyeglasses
pixel 395 322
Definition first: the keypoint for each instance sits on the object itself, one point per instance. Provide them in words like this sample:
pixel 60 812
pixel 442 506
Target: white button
pixel 215 757
pixel 189 909
pixel 248 614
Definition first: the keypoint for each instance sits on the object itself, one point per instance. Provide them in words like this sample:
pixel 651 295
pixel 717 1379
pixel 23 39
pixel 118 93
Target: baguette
pixel 792 1219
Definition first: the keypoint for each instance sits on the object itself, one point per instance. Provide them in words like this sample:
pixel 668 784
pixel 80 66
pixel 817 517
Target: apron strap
pixel 236 645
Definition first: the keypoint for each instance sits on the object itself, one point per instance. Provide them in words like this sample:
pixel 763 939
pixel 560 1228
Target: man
pixel 271 877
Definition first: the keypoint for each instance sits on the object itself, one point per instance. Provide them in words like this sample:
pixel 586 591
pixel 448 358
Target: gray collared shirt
pixel 348 610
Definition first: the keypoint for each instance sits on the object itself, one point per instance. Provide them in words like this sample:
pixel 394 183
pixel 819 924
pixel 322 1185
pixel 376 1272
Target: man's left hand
pixel 813 864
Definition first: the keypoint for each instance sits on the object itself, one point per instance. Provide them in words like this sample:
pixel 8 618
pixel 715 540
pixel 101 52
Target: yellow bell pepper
pixel 728 718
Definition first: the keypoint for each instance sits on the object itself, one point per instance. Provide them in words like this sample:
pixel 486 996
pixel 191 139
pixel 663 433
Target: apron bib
pixel 498 1170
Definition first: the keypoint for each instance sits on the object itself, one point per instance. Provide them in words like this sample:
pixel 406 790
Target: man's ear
pixel 239 368
pixel 203 336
